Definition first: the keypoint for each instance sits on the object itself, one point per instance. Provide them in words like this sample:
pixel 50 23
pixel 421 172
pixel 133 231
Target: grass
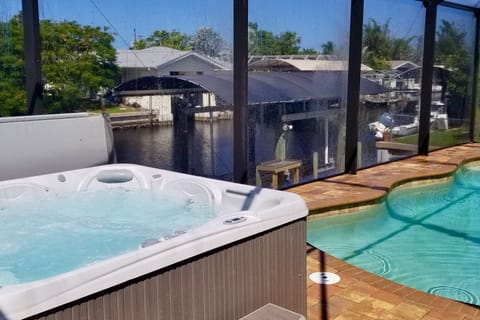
pixel 439 139
pixel 111 109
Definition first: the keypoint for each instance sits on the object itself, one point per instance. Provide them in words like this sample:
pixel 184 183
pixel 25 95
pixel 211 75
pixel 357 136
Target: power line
pixel 117 32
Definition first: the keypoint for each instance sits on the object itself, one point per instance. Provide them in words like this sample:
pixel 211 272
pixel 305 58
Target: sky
pixel 314 21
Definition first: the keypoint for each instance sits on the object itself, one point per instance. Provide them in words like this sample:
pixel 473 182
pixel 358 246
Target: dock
pixel 135 120
pixel 399 147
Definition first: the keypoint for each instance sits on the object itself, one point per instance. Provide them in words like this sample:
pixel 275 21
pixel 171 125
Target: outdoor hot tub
pixel 133 242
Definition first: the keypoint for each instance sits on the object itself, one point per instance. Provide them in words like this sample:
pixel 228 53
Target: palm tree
pixel 328 47
pixel 377 44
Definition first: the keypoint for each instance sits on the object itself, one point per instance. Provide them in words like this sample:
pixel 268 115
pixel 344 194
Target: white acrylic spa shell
pixel 241 211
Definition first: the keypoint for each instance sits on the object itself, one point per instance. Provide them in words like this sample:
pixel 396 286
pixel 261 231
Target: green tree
pixel 287 43
pixel 450 48
pixel 400 49
pixel 452 52
pixel 376 44
pixel 172 39
pixel 379 47
pixel 77 63
pixel 263 42
pixel 12 76
pixel 308 51
pixel 328 47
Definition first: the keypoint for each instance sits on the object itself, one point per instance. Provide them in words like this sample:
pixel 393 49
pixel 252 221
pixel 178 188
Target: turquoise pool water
pixel 425 237
pixel 40 238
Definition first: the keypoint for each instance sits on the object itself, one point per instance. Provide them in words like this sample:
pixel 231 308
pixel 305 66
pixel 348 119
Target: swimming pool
pixel 131 241
pixel 426 237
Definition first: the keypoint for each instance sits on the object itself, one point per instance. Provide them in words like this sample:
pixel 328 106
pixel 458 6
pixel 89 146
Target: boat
pixel 438 120
pixel 377 129
pixel 382 126
pixel 406 129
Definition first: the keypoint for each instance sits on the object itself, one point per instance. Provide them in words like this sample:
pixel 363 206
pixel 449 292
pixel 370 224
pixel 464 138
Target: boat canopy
pixel 263 87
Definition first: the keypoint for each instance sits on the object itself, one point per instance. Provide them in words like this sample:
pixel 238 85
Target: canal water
pixel 210 154
pixel 209 150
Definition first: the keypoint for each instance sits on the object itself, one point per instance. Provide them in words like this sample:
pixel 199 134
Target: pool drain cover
pixel 324 277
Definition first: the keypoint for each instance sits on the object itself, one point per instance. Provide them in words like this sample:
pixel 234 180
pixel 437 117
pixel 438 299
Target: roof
pixel 255 58
pixel 147 58
pixel 264 87
pixel 302 65
pixel 440 73
pixel 397 64
pixel 268 87
pixel 155 57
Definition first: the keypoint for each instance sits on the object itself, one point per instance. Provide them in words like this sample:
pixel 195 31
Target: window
pixel 171 65
pixel 453 77
pixel 12 86
pixel 297 86
pixel 392 58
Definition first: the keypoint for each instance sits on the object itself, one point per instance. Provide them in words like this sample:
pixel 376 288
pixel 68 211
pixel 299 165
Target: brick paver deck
pixel 360 294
